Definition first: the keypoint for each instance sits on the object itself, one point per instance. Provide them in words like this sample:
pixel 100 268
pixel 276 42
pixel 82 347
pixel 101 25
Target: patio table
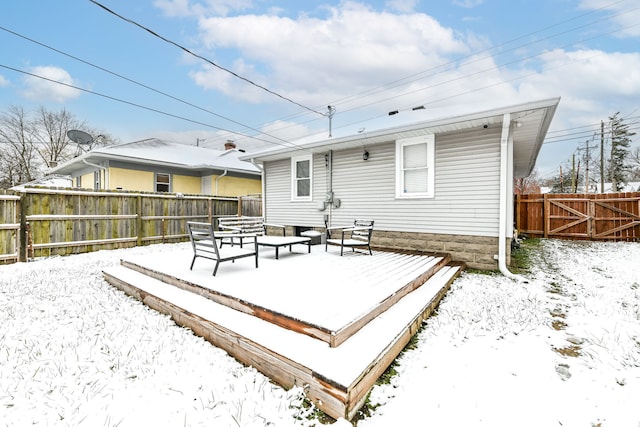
pixel 280 241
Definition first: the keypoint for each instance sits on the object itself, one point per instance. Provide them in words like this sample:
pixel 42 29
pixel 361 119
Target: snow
pixel 74 351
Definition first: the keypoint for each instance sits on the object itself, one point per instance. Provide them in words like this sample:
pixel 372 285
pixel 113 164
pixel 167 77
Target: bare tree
pixel 19 156
pixel 527 185
pixel 634 163
pixel 51 129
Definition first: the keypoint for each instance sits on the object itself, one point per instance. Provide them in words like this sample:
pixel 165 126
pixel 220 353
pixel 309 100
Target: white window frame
pixel 294 180
pixel 169 184
pixel 429 140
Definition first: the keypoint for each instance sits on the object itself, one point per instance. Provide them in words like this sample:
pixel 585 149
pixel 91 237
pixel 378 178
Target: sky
pixel 265 72
pixel 559 349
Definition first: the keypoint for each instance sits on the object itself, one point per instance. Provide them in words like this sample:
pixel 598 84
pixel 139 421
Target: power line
pixel 153 33
pixel 144 107
pixel 141 84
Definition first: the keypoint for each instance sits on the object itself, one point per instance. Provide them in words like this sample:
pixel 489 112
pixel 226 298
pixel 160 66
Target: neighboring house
pixel 162 166
pixel 438 186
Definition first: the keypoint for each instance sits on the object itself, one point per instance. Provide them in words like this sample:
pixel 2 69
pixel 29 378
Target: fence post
pixel 545 215
pixel 139 221
pixel 22 238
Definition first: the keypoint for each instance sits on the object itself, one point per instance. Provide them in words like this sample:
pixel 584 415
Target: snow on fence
pixel 609 216
pixel 49 222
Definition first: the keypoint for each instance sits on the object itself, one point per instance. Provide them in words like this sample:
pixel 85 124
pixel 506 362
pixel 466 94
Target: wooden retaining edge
pixel 359 389
pixel 343 334
pixel 333 399
pixel 329 397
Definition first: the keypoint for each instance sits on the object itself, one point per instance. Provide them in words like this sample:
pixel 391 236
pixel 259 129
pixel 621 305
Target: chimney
pixel 229 145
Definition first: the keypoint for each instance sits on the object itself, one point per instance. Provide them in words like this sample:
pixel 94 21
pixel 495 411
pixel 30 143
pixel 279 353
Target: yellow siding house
pixel 155 165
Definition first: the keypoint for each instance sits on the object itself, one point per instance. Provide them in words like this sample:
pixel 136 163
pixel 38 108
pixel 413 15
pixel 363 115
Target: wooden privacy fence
pixel 609 216
pixel 43 222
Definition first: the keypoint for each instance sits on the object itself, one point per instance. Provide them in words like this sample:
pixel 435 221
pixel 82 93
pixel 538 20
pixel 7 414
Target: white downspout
pixel 503 221
pixel 218 178
pixel 102 168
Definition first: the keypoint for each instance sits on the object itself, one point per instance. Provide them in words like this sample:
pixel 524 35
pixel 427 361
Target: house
pixel 444 185
pixel 160 166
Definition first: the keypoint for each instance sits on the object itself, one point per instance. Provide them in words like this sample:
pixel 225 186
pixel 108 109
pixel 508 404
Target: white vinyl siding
pixel 415 167
pixel 465 199
pixel 301 178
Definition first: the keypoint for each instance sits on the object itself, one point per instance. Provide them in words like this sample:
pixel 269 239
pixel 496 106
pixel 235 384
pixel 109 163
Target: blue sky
pixel 364 58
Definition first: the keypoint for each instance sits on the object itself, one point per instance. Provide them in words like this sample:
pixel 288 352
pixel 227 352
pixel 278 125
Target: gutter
pixel 506 147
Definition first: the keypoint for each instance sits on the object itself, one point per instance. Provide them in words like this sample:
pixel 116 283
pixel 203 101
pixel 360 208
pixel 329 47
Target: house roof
pixel 157 152
pixel 532 118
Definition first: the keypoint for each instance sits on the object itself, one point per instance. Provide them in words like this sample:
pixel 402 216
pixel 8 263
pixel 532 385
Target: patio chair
pixel 358 236
pixel 203 241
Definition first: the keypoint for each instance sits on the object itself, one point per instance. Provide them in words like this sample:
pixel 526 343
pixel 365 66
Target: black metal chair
pixel 358 236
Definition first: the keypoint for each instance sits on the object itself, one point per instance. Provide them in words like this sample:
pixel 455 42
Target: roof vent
pixel 229 145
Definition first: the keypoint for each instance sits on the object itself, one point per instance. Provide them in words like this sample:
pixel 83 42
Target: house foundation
pixel 475 251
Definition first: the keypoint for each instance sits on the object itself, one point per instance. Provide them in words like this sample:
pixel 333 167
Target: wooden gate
pixel 614 216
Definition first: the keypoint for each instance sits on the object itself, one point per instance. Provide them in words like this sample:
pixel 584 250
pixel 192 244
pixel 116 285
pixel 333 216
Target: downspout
pixel 218 178
pixel 503 221
pixel 102 168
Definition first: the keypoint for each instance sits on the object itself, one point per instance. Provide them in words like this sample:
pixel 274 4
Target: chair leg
pixel 192 262
pixel 215 269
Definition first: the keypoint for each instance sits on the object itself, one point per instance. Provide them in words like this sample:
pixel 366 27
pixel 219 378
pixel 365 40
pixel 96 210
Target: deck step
pixel 337 379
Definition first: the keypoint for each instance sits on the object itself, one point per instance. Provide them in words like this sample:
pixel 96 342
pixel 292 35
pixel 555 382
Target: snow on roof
pixel 157 151
pixel 47 181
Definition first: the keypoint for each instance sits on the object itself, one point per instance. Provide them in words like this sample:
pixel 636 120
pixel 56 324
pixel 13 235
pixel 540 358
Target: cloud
pixel 3 81
pixel 402 5
pixel 352 48
pixel 181 8
pixel 624 18
pixel 47 90
pixel 468 4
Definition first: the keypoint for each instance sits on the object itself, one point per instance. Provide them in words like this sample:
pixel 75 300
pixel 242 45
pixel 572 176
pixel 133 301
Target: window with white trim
pixel 415 172
pixel 163 182
pixel 301 177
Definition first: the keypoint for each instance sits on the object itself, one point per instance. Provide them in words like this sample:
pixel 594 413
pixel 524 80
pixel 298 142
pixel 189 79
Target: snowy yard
pixel 562 349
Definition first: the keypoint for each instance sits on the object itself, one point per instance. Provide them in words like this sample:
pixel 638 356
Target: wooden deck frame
pixel 334 395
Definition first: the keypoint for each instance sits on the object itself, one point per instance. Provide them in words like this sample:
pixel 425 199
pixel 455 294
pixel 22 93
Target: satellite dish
pixel 80 137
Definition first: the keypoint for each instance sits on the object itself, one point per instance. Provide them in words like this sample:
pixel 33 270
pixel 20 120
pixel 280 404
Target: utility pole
pixel 573 173
pixel 331 110
pixel 587 160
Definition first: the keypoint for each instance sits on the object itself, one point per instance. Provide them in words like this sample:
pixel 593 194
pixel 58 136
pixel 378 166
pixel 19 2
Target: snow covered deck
pixel 327 323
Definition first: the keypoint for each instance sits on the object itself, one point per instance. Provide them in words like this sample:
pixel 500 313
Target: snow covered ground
pixel 562 349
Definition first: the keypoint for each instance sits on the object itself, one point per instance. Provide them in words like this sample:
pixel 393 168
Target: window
pixel 163 182
pixel 415 167
pixel 301 179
